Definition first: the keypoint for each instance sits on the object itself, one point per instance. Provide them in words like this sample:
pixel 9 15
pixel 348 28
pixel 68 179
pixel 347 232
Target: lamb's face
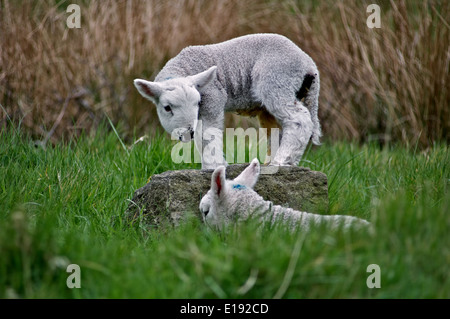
pixel 226 202
pixel 177 101
pixel 213 204
pixel 222 210
pixel 177 109
pixel 213 211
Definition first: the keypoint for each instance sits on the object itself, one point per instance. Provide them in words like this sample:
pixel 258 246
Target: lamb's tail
pixel 309 93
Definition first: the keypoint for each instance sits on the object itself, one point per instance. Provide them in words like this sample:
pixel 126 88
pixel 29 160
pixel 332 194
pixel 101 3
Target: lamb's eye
pixel 167 108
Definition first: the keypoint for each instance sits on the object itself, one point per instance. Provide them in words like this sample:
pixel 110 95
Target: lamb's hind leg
pixel 310 93
pixel 297 127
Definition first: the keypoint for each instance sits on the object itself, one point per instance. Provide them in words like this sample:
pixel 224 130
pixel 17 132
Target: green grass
pixel 65 204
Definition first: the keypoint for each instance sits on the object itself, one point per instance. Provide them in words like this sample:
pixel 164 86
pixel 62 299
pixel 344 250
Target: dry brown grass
pixel 388 84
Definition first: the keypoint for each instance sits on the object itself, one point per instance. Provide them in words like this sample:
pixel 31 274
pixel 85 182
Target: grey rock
pixel 170 196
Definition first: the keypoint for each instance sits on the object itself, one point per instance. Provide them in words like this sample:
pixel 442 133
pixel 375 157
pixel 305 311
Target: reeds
pixel 387 84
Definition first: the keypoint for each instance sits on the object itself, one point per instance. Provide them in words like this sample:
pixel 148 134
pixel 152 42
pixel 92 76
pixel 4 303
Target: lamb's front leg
pixel 210 143
pixel 297 128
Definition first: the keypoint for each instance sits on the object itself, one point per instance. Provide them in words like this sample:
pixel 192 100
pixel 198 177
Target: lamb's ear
pixel 249 175
pixel 218 181
pixel 149 90
pixel 203 78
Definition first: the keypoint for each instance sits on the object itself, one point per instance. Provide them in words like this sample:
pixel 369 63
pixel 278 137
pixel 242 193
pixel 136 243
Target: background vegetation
pixel 387 84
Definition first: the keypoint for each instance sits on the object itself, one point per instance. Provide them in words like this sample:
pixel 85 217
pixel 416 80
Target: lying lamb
pixel 264 75
pixel 233 201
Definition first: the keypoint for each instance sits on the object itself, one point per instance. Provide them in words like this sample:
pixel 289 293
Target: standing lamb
pixel 234 201
pixel 264 75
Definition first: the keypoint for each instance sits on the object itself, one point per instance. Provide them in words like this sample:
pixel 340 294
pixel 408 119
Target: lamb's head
pixel 228 200
pixel 177 101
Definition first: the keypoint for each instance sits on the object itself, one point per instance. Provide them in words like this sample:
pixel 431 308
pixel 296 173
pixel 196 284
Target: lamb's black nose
pixel 192 134
pixel 206 212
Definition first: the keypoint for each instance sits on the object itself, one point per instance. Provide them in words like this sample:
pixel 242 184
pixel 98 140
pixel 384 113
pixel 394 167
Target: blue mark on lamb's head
pixel 239 186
